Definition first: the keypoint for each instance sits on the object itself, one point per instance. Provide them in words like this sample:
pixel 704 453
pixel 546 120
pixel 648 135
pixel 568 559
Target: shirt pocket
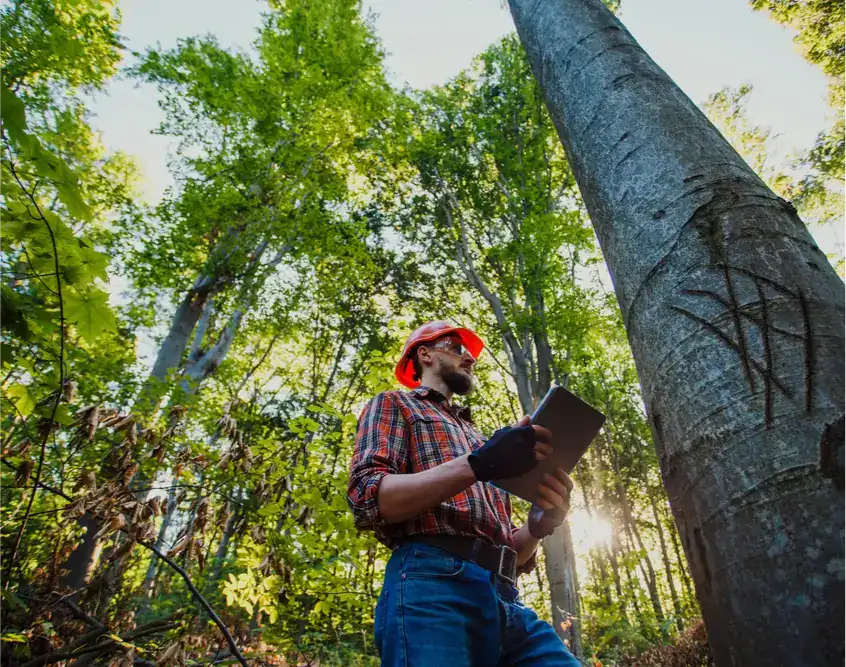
pixel 435 439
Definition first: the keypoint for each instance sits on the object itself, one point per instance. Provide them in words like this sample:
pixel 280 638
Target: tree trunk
pixel 668 568
pixel 735 319
pixel 223 547
pixel 685 577
pixel 77 564
pixel 563 587
pixel 646 569
pixel 150 578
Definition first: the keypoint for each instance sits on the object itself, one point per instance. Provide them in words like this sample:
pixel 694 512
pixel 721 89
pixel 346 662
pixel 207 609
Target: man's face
pixel 454 364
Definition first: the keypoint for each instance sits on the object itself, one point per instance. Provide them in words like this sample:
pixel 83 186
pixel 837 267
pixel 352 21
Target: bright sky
pixel 703 44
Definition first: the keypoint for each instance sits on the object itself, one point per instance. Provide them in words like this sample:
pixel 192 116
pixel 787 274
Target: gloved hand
pixel 551 508
pixel 510 452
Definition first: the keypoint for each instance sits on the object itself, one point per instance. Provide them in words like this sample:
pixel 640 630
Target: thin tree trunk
pixel 644 562
pixel 736 321
pixel 563 587
pixel 615 567
pixel 633 590
pixel 668 568
pixel 150 578
pixel 685 577
pixel 223 547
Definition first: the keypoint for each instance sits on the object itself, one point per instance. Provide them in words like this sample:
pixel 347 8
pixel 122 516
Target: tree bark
pixel 735 319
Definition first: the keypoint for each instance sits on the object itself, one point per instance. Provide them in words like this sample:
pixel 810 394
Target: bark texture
pixel 735 319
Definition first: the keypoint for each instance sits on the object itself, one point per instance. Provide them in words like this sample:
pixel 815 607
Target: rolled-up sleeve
pixel 531 563
pixel 381 448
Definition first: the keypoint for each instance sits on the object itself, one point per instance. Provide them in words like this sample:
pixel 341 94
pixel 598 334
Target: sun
pixel 589 530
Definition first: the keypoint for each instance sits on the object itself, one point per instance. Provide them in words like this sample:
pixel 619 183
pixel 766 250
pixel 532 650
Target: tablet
pixel 574 425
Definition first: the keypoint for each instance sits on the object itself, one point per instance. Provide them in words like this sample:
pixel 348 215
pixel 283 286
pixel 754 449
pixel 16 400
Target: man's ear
pixel 424 355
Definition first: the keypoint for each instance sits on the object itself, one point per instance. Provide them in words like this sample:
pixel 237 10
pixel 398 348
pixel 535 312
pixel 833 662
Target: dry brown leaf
pixel 68 391
pixel 91 421
pixel 24 472
pixel 86 481
pixel 170 656
pixel 128 474
pixel 75 509
pixel 22 449
pixel 155 505
pixel 180 546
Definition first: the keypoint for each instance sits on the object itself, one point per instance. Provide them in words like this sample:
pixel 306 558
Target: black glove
pixel 510 452
pixel 542 523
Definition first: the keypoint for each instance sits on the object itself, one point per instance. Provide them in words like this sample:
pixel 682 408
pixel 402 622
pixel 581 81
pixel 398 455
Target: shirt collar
pixel 434 395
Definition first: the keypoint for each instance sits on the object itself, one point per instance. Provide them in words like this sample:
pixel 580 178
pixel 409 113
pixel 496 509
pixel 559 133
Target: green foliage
pixel 819 25
pixel 316 216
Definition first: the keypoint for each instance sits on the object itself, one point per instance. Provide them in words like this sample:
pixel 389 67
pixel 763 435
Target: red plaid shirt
pixel 401 433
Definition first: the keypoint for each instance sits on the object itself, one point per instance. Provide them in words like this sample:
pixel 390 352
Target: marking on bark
pixel 734 346
pixel 659 214
pixel 743 312
pixel 832 460
pixel 622 77
pixel 581 40
pixel 809 352
pixel 709 229
pixel 693 178
pixel 768 357
pixel 738 328
pixel 623 138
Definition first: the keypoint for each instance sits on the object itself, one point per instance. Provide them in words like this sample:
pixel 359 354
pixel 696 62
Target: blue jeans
pixel 437 610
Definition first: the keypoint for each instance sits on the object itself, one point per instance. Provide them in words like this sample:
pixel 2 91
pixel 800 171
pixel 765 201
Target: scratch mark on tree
pixel 768 357
pixel 738 327
pixel 809 352
pixel 734 346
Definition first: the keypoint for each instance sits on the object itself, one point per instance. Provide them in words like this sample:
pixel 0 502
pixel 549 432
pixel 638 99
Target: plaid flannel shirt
pixel 408 432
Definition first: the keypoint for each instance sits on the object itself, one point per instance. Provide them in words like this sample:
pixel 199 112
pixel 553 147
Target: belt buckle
pixel 511 575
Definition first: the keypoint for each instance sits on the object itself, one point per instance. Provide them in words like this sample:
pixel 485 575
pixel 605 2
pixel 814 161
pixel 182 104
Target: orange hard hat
pixel 404 371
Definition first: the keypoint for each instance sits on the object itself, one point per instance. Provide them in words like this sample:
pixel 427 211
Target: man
pixel 419 478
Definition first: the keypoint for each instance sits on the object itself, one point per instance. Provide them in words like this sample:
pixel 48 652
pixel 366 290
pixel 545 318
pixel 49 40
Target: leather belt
pixel 501 560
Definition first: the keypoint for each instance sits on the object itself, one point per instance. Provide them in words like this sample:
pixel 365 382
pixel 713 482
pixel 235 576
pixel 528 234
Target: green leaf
pixel 272 614
pixel 90 313
pixel 61 416
pixel 22 397
pixel 13 114
pixel 14 637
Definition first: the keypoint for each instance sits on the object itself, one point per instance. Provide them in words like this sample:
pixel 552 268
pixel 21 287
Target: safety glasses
pixel 453 346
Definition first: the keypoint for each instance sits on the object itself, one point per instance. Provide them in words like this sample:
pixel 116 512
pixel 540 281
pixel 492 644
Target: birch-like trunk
pixel 735 319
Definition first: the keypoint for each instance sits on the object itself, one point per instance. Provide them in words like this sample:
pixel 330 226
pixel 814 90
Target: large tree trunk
pixel 735 319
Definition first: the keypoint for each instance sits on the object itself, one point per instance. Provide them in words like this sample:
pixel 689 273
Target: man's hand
pixel 511 451
pixel 552 505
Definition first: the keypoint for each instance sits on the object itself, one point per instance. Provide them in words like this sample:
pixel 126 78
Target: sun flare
pixel 589 530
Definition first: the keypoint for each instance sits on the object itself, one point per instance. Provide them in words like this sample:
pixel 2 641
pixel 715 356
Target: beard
pixel 458 383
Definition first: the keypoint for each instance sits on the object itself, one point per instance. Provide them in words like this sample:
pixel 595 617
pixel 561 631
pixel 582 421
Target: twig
pixel 59 391
pixel 179 570
pixel 220 624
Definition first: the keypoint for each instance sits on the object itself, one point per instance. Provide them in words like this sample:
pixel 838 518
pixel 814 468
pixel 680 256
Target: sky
pixel 702 44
